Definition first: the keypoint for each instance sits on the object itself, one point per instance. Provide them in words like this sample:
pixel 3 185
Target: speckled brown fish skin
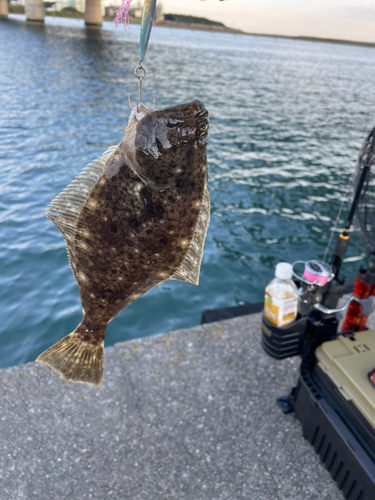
pixel 143 220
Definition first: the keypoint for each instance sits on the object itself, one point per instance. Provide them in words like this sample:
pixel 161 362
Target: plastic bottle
pixel 281 297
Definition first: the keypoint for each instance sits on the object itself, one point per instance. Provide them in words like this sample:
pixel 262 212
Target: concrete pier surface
pixel 188 415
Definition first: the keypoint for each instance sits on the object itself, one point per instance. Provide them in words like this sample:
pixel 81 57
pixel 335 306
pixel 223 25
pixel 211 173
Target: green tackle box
pixel 347 361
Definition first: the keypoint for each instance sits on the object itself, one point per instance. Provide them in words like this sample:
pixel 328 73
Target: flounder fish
pixel 134 218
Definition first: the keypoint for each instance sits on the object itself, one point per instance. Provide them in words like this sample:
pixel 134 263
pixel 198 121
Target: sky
pixel 342 19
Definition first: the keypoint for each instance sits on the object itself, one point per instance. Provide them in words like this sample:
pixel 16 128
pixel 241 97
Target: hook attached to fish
pixel 148 15
pixel 140 73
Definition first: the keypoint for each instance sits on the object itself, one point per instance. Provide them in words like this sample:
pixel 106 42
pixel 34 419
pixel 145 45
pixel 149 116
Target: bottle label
pixel 280 312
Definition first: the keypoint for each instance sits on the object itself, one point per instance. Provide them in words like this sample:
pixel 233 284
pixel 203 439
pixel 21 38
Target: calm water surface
pixel 286 121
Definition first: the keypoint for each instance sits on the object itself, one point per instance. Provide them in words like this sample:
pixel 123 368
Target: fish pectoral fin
pixel 75 360
pixel 189 269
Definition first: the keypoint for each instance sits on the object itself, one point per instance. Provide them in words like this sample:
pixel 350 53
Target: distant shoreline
pixel 218 29
pixel 200 27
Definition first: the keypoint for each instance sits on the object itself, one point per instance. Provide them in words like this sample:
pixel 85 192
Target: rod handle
pixel 339 253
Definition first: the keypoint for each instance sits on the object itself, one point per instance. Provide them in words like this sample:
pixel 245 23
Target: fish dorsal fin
pixel 65 209
pixel 189 269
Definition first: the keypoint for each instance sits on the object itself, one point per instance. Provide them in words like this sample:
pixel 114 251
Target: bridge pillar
pixel 34 10
pixel 3 8
pixel 93 14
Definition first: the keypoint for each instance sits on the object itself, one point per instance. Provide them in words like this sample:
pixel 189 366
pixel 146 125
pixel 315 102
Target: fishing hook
pixel 140 73
pixel 148 15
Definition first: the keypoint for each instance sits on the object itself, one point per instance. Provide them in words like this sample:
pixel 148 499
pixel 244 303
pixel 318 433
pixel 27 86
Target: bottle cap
pixel 284 271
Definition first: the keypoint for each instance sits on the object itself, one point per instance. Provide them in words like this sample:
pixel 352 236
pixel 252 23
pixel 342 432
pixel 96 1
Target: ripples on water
pixel 287 119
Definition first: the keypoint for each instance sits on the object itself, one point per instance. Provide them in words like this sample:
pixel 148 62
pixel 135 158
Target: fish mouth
pixel 167 136
pixel 168 129
pixel 192 115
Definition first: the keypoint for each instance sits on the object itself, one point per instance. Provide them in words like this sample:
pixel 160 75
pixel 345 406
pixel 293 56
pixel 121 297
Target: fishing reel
pixel 313 283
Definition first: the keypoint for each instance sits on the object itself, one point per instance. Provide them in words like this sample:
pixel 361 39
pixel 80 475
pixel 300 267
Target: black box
pixel 338 419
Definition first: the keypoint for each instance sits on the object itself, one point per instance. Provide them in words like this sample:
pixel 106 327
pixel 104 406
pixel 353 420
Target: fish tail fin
pixel 75 359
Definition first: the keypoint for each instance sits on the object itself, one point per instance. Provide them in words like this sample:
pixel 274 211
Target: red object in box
pixel 354 320
pixel 371 376
pixel 364 287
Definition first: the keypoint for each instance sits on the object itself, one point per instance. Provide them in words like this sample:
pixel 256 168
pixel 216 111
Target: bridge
pixel 34 10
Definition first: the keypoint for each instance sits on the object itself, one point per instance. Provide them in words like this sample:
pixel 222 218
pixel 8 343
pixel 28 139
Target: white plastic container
pixel 281 297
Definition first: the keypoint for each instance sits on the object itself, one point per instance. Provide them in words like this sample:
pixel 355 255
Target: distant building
pixel 108 7
pixel 61 4
pixel 136 12
pixel 49 6
pixel 80 5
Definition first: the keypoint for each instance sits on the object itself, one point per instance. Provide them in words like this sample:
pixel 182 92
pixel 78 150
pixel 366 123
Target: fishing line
pixel 371 118
pixel 338 215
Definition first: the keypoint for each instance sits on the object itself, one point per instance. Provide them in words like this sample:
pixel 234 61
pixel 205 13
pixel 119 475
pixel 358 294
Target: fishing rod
pixel 321 287
pixel 365 160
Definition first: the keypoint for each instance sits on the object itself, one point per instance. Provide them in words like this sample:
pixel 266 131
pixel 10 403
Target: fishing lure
pixel 147 22
pixel 148 15
pixel 122 16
